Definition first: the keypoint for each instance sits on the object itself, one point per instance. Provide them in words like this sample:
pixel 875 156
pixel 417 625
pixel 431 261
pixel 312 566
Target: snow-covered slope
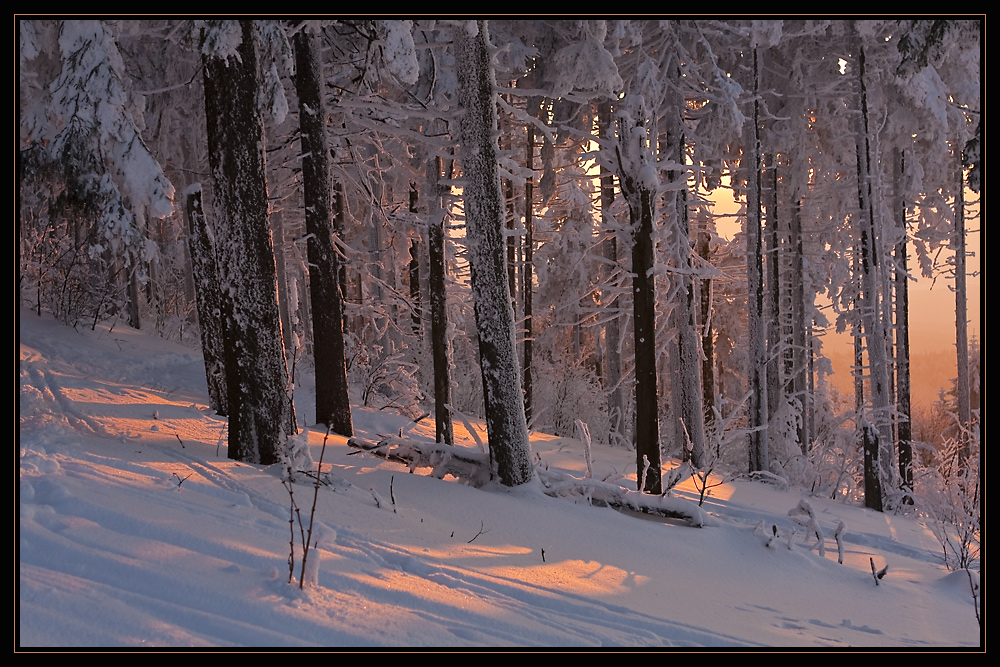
pixel 135 529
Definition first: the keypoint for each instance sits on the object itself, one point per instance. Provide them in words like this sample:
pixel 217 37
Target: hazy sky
pixel 931 315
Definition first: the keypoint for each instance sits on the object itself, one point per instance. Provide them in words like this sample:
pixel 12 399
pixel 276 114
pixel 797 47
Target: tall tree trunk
pixel 208 300
pixel 641 201
pixel 506 426
pixel 414 271
pixel 962 399
pixel 438 305
pixel 757 361
pixel 612 326
pixel 278 234
pixel 702 247
pixel 904 431
pixel 333 404
pixel 799 363
pixel 527 276
pixel 871 279
pixel 689 352
pixel 772 282
pixel 260 410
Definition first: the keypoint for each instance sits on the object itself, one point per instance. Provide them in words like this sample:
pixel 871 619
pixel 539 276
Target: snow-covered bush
pixel 949 492
pixel 563 392
pixel 384 375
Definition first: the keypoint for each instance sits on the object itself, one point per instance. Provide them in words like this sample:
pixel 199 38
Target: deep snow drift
pixel 136 530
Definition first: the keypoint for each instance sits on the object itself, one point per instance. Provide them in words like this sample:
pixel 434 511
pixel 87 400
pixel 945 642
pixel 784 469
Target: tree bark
pixel 527 277
pixel 962 398
pixel 260 410
pixel 689 351
pixel 904 430
pixel 772 282
pixel 800 363
pixel 484 214
pixel 208 300
pixel 612 327
pixel 755 292
pixel 871 268
pixel 702 248
pixel 438 306
pixel 333 404
pixel 641 208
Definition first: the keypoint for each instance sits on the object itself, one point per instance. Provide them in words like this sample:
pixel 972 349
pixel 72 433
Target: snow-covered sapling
pixel 839 536
pixel 804 515
pixel 584 434
pixel 876 575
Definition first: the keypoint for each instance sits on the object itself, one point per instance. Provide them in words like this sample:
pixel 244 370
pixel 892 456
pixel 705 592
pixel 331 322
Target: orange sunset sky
pixel 932 317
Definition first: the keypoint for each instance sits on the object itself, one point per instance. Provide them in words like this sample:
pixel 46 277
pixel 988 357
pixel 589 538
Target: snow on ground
pixel 135 530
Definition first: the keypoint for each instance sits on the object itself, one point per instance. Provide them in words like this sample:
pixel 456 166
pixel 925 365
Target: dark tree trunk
pixel 707 338
pixel 871 280
pixel 873 480
pixel 773 285
pixel 800 362
pixel 284 309
pixel 414 272
pixel 260 410
pixel 647 425
pixel 962 384
pixel 333 404
pixel 755 294
pixel 527 276
pixel 506 426
pixel 612 327
pixel 208 301
pixel 688 399
pixel 439 314
pixel 904 431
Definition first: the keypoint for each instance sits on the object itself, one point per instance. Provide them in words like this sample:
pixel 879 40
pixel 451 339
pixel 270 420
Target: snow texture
pixel 129 537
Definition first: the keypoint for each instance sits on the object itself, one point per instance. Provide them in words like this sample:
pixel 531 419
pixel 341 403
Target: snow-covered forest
pixel 515 222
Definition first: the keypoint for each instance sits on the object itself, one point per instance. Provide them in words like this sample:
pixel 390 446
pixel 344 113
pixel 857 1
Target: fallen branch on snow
pixel 618 497
pixel 473 468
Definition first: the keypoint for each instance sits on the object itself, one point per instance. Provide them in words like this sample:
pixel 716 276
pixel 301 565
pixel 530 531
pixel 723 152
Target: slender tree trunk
pixel 689 352
pixel 260 410
pixel 871 268
pixel 278 234
pixel 338 233
pixel 414 272
pixel 438 305
pixel 641 202
pixel 527 276
pixel 707 337
pixel 904 431
pixel 773 288
pixel 759 460
pixel 333 406
pixel 612 327
pixel 208 300
pixel 506 426
pixel 800 363
pixel 961 322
